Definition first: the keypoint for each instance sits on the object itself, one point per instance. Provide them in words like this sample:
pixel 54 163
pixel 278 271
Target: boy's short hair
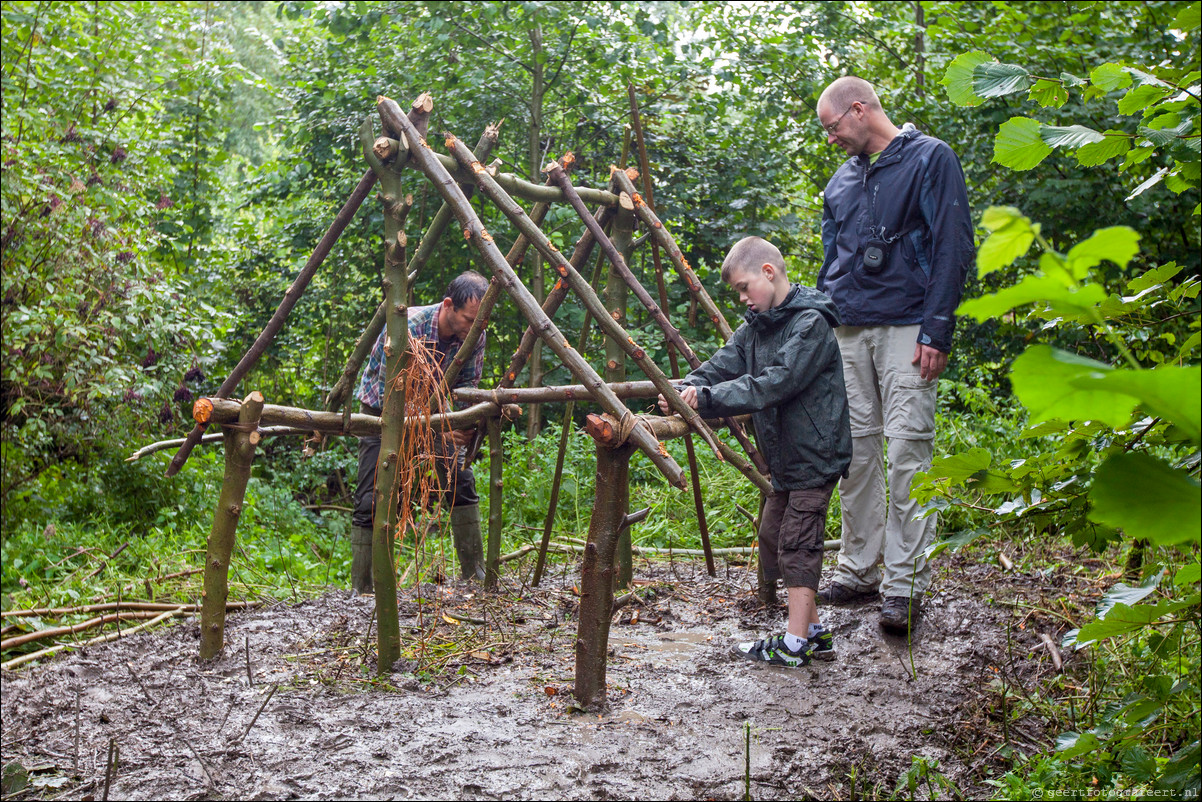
pixel 467 286
pixel 749 254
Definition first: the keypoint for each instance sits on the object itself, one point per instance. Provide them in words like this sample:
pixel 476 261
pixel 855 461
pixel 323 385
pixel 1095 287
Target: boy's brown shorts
pixel 792 529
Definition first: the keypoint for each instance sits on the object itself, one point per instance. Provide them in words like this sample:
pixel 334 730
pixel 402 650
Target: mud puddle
pixel 484 710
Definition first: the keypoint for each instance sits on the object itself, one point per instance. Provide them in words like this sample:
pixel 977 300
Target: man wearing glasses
pixel 898 244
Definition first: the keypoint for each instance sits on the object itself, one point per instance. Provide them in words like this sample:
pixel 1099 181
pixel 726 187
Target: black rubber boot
pixel 469 543
pixel 360 560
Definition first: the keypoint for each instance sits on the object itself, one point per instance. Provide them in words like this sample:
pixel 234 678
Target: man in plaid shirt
pixel 441 328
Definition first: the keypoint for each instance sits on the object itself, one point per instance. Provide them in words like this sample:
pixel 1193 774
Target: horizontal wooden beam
pixel 225 410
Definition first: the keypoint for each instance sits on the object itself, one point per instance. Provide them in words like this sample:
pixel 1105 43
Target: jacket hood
pixel 799 299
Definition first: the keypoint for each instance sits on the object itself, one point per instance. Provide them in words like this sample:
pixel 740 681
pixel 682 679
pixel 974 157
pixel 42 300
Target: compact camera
pixel 875 254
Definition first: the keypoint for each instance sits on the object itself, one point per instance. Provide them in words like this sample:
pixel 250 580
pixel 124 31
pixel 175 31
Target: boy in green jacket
pixel 783 366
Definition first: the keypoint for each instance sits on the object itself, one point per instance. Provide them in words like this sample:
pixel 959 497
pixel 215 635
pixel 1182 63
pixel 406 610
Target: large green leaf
pixel 1147 499
pixel 1140 97
pixel 1011 236
pixel 1189 17
pixel 1069 136
pixel 1109 77
pixel 1049 94
pixel 1123 618
pixel 955 542
pixel 1035 289
pixel 959 76
pixel 1042 378
pixel 1118 244
pixel 1018 144
pixel 1171 392
pixel 991 79
pixel 1122 593
pixel 959 467
pixel 1112 145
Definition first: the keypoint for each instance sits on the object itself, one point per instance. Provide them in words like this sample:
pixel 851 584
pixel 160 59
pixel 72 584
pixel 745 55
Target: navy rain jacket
pixel 914 195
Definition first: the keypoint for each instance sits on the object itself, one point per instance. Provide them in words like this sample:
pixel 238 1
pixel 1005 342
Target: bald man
pixel 898 245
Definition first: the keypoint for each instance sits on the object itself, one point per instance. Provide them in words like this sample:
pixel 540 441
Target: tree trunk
pixel 597 573
pixel 239 454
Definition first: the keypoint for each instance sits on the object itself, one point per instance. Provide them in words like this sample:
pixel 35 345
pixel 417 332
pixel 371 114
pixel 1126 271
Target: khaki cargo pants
pixel 891 406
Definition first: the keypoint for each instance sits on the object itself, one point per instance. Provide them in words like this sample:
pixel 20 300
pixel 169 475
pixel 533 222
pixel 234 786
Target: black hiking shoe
pixel 835 593
pixel 774 652
pixel 823 643
pixel 899 614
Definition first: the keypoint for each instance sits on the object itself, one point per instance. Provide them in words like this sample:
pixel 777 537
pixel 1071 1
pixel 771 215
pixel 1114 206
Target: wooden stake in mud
pixel 496 484
pixel 597 573
pixel 483 241
pixel 240 442
pixel 387 492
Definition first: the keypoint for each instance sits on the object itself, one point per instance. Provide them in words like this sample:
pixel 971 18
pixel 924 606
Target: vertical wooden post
pixel 240 445
pixel 496 484
pixel 616 296
pixel 387 496
pixel 597 573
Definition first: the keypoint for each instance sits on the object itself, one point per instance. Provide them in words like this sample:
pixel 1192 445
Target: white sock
pixel 814 630
pixel 793 642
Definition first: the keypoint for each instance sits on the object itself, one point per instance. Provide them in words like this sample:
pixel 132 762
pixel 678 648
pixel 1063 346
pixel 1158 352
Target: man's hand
pixel 460 437
pixel 931 361
pixel 688 395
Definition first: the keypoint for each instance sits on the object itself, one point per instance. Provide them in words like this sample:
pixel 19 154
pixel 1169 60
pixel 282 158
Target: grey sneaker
pixel 835 593
pixel 774 652
pixel 823 643
pixel 899 614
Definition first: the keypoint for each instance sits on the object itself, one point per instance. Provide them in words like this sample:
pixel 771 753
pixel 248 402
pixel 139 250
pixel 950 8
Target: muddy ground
pixel 484 711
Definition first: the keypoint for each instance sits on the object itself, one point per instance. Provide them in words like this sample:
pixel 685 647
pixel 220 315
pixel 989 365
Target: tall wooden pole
pixel 387 498
pixel 564 433
pixel 597 573
pixel 691 452
pixel 240 442
pixel 616 297
pixel 496 485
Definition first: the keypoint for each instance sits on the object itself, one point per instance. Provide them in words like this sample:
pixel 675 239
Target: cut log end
pixel 625 201
pixel 255 396
pixel 424 103
pixel 202 410
pixel 568 160
pixel 599 429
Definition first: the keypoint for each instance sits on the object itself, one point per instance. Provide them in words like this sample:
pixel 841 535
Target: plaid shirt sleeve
pixel 421 325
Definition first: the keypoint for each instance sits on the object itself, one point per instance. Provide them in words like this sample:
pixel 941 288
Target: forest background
pixel 168 168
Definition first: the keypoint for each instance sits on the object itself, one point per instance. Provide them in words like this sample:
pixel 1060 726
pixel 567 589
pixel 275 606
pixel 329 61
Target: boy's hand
pixel 459 437
pixel 688 395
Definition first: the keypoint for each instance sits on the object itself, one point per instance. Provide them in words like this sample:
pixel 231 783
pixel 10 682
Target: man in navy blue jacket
pixel 898 244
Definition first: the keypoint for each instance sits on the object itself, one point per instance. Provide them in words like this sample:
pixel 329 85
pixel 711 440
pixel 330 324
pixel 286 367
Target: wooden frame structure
pixel 618 432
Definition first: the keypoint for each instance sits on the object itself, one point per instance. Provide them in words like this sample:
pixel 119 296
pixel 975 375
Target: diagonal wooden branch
pixel 515 256
pixel 670 247
pixel 583 290
pixel 340 393
pixel 474 230
pixel 724 451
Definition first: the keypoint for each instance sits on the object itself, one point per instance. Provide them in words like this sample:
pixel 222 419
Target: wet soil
pixel 484 710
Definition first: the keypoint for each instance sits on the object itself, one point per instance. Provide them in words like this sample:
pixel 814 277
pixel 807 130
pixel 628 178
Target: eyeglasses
pixel 830 128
